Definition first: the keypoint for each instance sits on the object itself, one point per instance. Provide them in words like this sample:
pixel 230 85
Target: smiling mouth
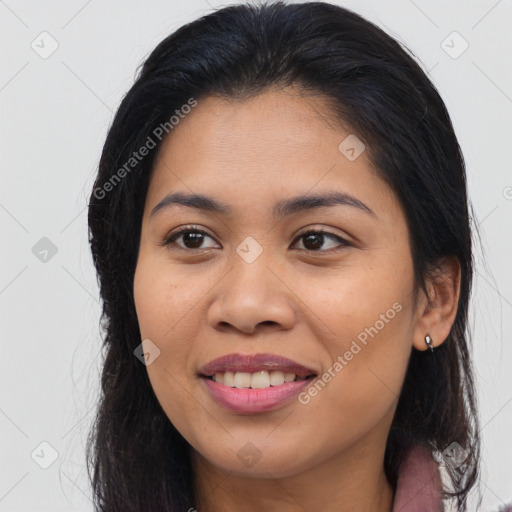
pixel 256 380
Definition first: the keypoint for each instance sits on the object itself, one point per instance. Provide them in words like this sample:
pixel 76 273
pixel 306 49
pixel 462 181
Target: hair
pixel 136 459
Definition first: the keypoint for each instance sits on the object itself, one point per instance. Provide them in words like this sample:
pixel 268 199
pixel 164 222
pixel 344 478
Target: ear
pixel 435 317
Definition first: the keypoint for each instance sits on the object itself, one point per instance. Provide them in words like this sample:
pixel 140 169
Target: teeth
pixel 260 380
pixel 277 378
pixel 229 379
pixel 242 380
pixel 257 380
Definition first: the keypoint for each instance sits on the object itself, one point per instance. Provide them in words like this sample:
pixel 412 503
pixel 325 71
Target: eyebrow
pixel 281 209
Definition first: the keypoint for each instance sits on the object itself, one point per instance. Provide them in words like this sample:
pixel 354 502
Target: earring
pixel 428 341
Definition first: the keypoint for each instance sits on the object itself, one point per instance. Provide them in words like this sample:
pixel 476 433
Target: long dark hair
pixel 136 459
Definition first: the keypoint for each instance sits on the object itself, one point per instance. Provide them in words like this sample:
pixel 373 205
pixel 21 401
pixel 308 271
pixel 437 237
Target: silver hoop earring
pixel 428 341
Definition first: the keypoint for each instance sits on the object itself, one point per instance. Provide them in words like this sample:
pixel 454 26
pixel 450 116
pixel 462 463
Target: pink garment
pixel 419 483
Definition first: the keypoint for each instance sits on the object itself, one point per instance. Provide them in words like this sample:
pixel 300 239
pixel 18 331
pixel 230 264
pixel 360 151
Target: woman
pixel 281 233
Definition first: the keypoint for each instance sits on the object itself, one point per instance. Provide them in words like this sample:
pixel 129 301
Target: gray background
pixel 55 112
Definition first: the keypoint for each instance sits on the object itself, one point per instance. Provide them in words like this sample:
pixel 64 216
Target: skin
pixel 197 304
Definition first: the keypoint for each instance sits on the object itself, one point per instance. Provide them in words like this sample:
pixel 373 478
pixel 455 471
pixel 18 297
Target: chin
pixel 252 462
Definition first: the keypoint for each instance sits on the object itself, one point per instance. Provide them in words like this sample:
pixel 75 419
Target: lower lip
pixel 250 400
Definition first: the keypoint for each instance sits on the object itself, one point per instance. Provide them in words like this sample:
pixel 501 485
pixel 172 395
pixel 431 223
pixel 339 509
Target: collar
pixel 419 483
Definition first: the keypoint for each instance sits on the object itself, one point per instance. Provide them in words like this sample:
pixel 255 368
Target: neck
pixel 353 480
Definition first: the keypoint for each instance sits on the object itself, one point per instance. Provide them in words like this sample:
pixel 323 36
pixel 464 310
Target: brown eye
pixel 192 240
pixel 314 240
pixel 188 238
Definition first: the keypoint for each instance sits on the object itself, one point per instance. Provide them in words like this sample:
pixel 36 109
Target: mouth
pixel 255 370
pixel 254 383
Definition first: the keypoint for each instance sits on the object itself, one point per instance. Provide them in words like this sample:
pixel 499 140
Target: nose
pixel 252 296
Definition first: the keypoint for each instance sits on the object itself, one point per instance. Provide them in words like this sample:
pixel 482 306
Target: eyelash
pixel 170 239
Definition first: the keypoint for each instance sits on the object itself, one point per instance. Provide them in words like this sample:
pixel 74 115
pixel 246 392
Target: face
pixel 326 284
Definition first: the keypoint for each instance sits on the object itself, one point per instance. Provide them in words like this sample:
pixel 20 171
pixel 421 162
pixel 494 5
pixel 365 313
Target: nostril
pixel 268 322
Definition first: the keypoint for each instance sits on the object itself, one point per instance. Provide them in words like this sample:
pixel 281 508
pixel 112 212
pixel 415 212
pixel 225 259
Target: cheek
pixel 163 298
pixel 367 312
pixel 162 305
pixel 363 302
pixel 167 304
pixel 360 388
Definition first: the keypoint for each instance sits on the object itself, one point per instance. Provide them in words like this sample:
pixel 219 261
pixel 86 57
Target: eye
pixel 189 237
pixel 314 240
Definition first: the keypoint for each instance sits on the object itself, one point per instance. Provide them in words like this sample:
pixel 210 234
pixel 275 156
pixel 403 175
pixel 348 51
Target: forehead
pixel 276 124
pixel 275 144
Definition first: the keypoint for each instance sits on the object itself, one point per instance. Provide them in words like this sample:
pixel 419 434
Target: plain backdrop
pixel 65 67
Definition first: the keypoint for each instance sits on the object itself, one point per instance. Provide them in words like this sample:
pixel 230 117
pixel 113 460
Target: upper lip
pixel 254 363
